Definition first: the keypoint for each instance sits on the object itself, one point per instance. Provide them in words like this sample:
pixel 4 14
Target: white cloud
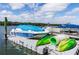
pixel 24 17
pixel 48 11
pixel 27 17
pixel 16 5
pixel 66 19
pixel 5 13
pixel 54 7
pixel 76 10
pixel 44 15
pixel 34 6
pixel 73 12
pixel 31 5
pixel 69 17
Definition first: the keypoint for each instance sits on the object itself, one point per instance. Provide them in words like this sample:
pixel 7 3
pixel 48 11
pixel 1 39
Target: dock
pixel 31 45
pixel 70 35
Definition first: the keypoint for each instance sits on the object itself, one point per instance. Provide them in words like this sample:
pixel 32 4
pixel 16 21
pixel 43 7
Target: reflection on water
pixel 10 48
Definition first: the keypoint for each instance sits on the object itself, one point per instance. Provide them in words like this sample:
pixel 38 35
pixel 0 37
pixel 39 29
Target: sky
pixel 53 13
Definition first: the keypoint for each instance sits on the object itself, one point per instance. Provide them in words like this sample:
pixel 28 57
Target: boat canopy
pixel 30 27
pixel 68 26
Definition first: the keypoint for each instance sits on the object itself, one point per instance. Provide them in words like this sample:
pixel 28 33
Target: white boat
pixel 28 31
pixel 27 34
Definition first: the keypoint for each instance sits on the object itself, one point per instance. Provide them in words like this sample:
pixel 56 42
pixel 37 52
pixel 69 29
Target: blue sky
pixel 40 12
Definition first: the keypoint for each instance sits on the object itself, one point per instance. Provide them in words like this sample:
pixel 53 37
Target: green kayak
pixel 54 40
pixel 44 40
pixel 48 39
pixel 66 45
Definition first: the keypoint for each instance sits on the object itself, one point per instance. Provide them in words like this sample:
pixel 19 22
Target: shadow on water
pixel 10 49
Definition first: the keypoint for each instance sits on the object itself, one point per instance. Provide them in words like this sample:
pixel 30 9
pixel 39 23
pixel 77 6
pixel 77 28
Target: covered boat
pixel 28 31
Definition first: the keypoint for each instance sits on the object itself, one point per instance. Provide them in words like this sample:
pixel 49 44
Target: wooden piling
pixel 6 38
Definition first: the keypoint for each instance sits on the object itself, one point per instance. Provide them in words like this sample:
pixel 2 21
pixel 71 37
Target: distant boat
pixel 28 31
pixel 68 25
pixel 70 28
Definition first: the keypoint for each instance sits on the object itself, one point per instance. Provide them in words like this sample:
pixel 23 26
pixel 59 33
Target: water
pixel 10 50
pixel 2 34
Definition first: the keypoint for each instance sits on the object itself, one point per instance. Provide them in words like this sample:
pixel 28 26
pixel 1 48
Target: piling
pixel 6 38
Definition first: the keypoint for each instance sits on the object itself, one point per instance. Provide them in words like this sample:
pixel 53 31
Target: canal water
pixel 10 49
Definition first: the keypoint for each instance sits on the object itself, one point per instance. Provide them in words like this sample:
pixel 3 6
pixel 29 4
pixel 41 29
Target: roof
pixel 68 26
pixel 30 27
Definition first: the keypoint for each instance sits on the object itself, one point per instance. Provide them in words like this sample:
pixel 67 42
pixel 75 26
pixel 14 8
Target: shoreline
pixel 25 23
